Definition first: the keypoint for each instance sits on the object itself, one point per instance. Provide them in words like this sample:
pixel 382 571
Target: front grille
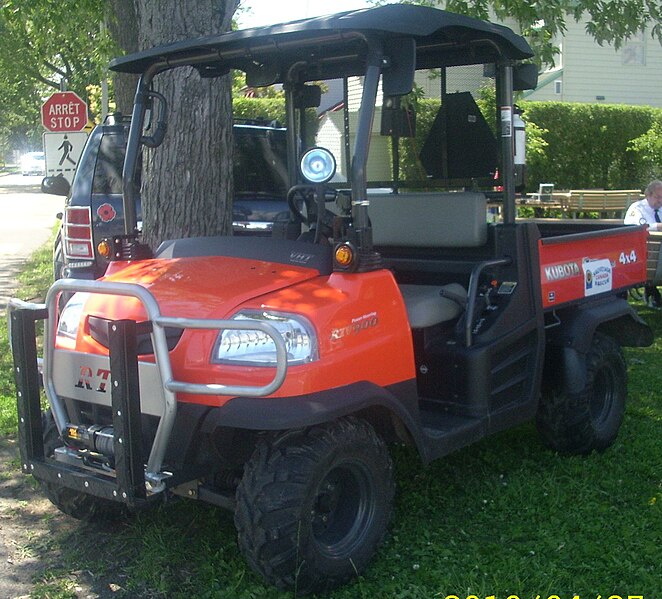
pixel 99 332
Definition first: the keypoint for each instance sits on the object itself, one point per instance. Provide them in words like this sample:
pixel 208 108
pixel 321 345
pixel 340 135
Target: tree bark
pixel 123 28
pixel 187 183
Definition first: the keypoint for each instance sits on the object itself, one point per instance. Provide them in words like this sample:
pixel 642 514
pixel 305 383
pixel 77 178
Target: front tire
pixel 578 423
pixel 314 504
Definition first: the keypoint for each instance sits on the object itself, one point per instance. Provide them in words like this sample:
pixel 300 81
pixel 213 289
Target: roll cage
pixel 386 43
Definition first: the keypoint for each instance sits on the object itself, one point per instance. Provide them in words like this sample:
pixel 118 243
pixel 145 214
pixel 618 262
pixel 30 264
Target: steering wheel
pixel 320 222
pixel 306 193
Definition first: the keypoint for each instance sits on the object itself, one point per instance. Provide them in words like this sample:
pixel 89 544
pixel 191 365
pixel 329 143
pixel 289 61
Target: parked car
pixel 33 163
pixel 93 208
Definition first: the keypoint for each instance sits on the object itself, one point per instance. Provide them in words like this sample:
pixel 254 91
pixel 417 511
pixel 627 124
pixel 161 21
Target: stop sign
pixel 64 111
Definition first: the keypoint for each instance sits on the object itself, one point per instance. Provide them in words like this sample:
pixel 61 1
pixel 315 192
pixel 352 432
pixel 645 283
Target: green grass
pixel 503 517
pixel 38 274
pixel 34 281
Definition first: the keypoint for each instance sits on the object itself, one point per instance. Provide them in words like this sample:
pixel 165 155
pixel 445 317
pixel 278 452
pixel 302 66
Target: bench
pixel 430 220
pixel 653 263
pixel 606 203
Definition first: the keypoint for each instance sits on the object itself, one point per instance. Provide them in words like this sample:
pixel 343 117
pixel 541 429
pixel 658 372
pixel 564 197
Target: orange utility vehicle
pixel 268 375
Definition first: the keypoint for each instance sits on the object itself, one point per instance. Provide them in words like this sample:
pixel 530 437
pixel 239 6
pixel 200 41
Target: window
pixel 110 161
pixel 558 86
pixel 634 51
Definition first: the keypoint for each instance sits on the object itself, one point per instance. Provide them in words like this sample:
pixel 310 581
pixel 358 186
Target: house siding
pixel 458 79
pixel 594 73
pixel 329 135
pixel 355 91
pixel 589 72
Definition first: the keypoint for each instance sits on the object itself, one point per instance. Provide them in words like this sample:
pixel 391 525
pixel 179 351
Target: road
pixel 27 217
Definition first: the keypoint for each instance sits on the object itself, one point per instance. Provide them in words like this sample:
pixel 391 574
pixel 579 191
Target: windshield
pixel 260 161
pixel 260 166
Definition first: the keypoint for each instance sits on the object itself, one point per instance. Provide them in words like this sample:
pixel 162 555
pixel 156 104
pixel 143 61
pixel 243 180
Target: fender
pixel 283 413
pixel 612 316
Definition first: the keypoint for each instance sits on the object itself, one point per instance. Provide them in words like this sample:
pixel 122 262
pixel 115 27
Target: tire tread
pixel 564 420
pixel 273 489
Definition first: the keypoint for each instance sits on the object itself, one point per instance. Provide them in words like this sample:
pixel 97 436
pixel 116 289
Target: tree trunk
pixel 187 183
pixel 123 28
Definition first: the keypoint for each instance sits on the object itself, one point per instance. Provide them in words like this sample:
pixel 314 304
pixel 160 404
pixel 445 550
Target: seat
pixel 429 220
pixel 428 305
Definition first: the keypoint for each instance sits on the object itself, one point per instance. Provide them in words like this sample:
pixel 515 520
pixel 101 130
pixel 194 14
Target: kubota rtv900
pixel 269 375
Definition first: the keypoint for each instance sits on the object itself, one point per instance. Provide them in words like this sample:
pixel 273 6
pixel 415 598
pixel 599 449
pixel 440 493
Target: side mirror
pixel 398 78
pixel 308 96
pixel 525 76
pixel 159 131
pixel 58 186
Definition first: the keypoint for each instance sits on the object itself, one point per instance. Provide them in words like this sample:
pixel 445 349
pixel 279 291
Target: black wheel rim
pixel 603 396
pixel 343 510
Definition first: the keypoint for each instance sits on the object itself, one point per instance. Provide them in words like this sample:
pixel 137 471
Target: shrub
pixel 648 149
pixel 270 109
pixel 591 145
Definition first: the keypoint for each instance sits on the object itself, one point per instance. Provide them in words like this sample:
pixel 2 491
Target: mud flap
pixel 574 370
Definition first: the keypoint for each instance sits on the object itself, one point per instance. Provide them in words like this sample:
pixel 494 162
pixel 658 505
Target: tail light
pixel 78 233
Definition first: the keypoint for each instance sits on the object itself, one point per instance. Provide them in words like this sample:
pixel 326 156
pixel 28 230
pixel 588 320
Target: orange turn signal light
pixel 344 255
pixel 72 432
pixel 104 249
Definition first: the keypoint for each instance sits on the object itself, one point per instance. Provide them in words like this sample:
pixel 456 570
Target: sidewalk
pixel 27 217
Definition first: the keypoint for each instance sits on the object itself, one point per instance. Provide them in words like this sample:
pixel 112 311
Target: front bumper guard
pixel 131 482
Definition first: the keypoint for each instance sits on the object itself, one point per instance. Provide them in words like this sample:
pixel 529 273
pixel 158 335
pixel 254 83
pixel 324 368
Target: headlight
pixel 67 326
pixel 248 347
pixel 318 165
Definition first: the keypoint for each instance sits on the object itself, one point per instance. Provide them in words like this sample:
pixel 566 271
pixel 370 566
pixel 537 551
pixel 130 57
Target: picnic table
pixel 607 203
pixel 576 203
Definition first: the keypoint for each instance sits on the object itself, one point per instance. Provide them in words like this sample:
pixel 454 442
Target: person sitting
pixel 648 212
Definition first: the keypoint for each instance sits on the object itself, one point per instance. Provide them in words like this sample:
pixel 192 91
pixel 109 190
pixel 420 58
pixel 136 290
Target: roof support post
pixel 505 106
pixel 132 154
pixel 362 145
pixel 293 150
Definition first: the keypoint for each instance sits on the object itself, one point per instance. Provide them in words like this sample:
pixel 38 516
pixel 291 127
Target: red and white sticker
pixel 597 276
pixel 106 212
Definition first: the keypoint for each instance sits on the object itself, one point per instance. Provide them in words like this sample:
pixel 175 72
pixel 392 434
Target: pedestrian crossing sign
pixel 63 151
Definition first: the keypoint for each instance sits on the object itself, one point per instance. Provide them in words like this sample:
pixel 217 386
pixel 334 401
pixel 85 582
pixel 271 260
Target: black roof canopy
pixel 335 45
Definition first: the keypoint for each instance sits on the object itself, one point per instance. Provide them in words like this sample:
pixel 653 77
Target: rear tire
pixel 314 504
pixel 73 503
pixel 578 423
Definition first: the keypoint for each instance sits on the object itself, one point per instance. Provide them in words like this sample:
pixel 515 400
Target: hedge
pixel 594 145
pixel 271 109
pixel 572 145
